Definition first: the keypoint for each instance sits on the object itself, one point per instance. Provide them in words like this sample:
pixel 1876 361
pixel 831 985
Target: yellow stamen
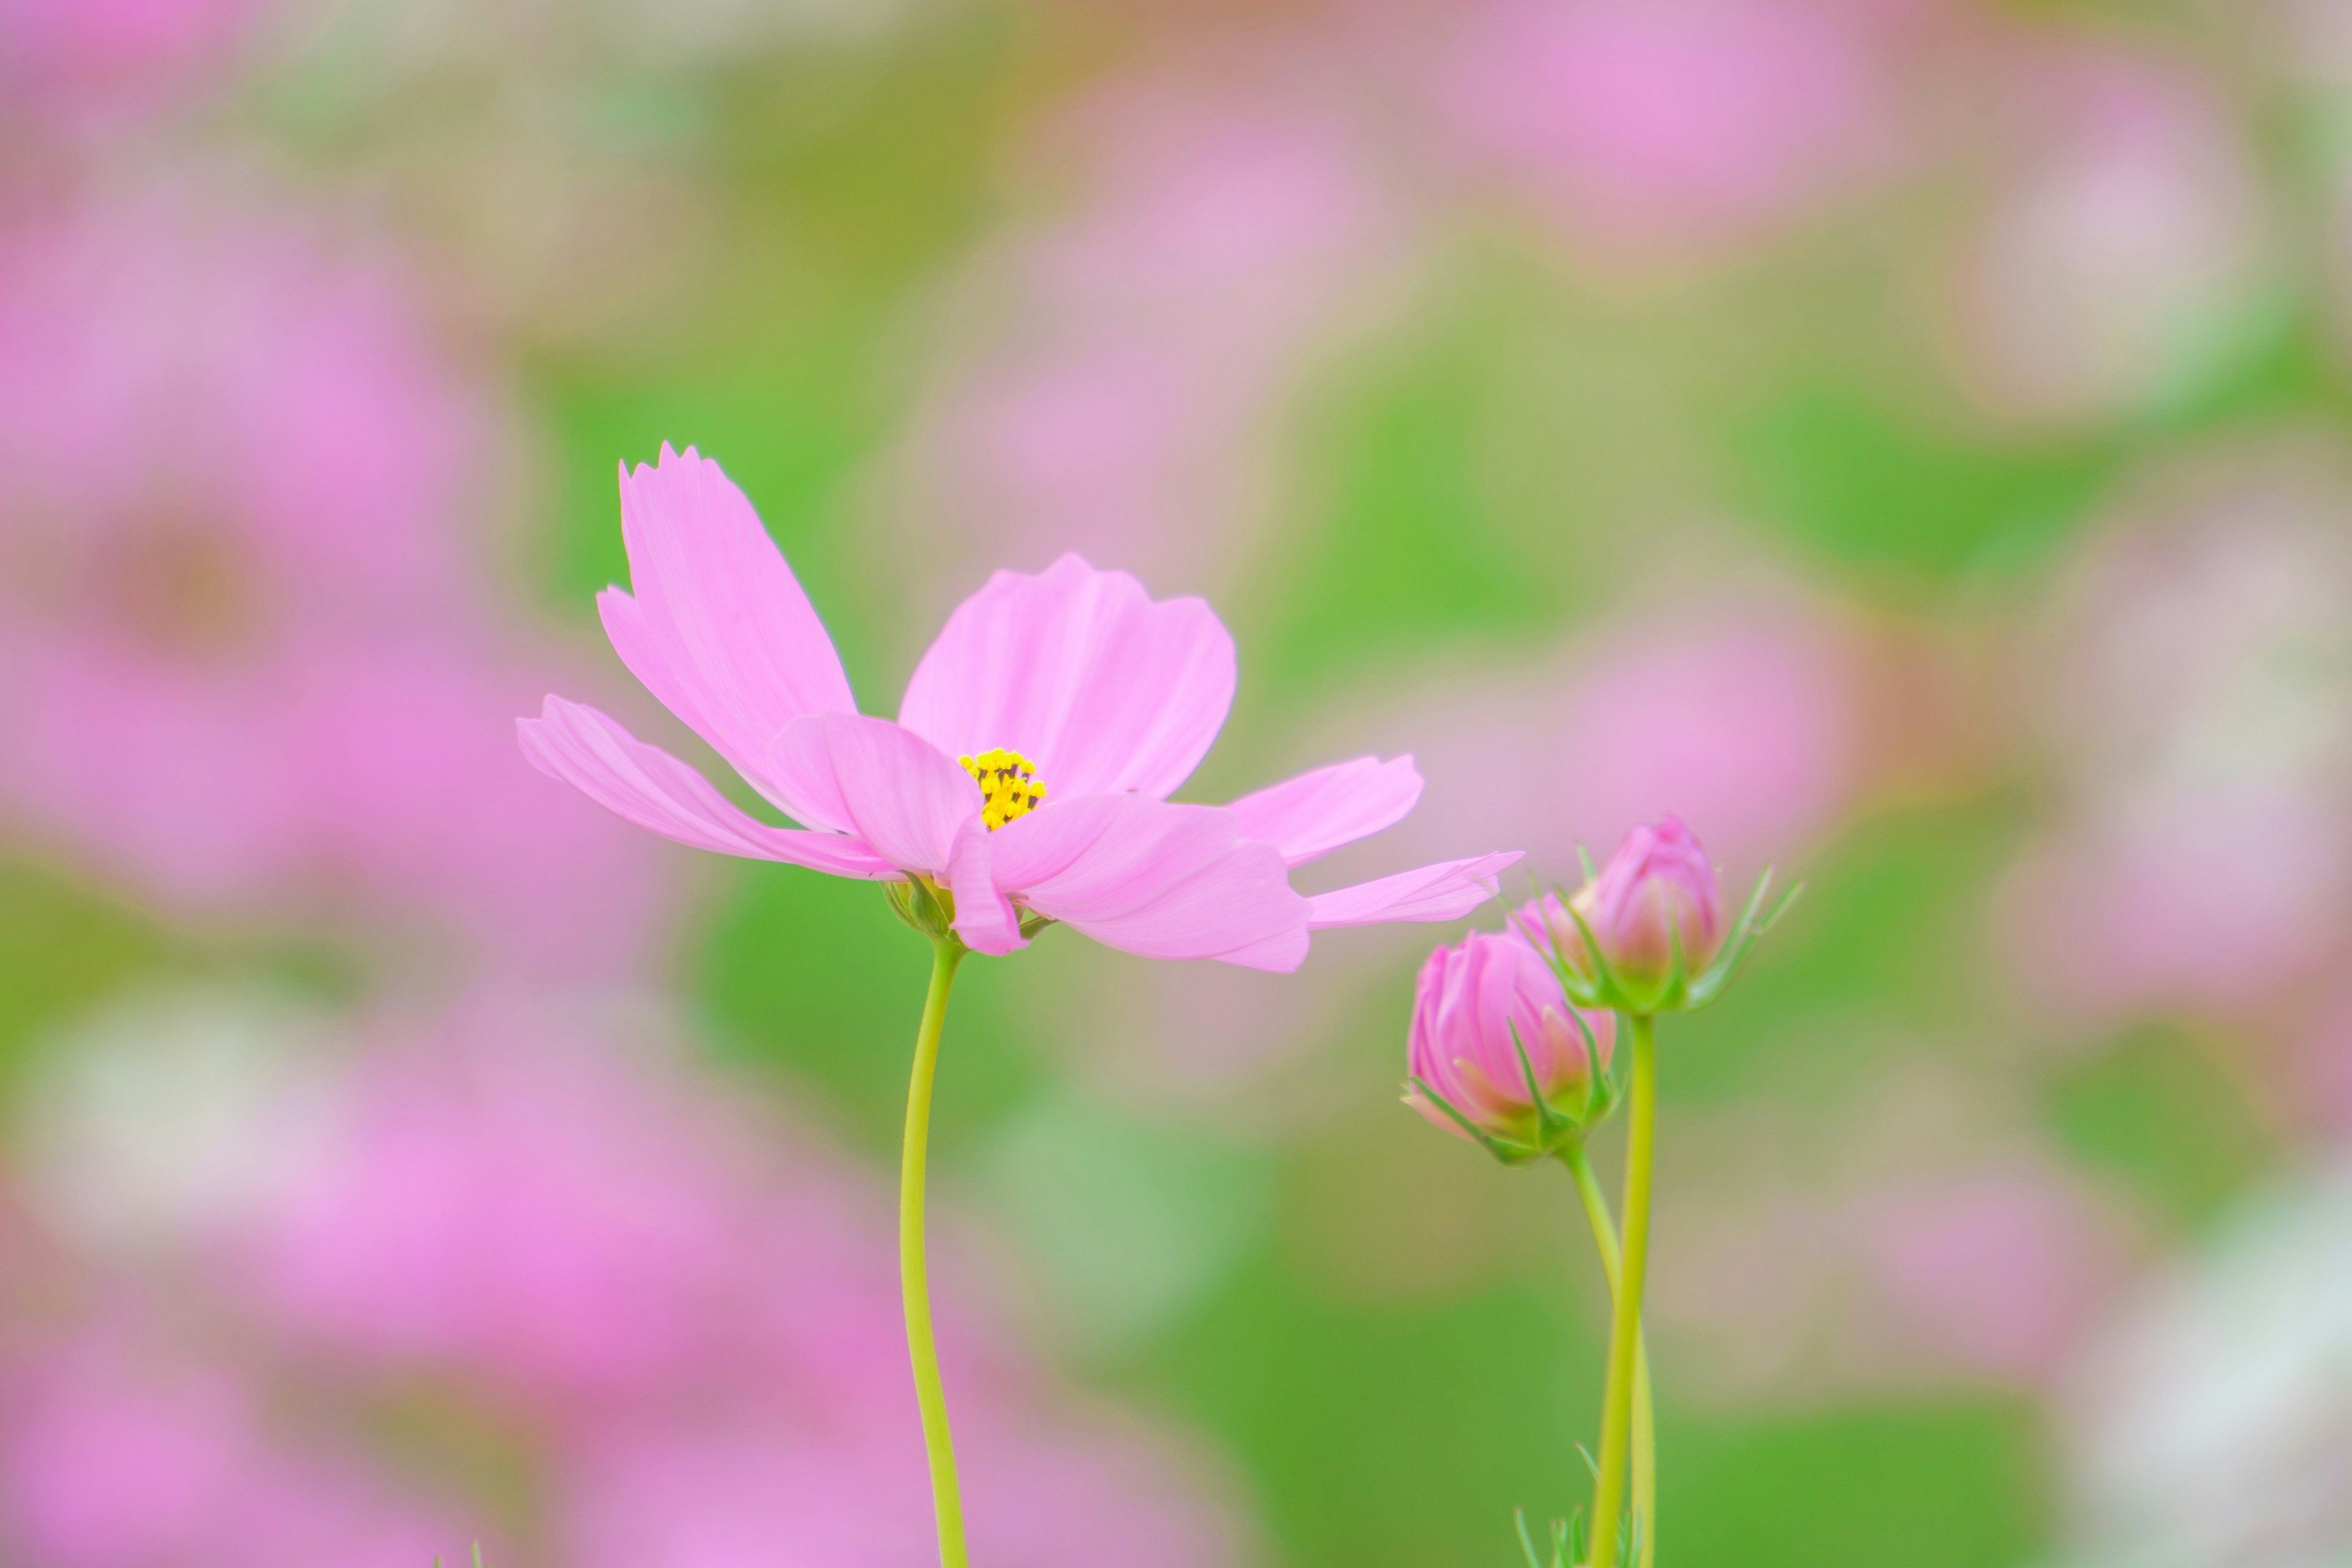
pixel 1008 786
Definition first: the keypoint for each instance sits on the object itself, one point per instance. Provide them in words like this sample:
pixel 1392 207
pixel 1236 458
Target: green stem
pixel 1624 1324
pixel 1645 1441
pixel 947 1501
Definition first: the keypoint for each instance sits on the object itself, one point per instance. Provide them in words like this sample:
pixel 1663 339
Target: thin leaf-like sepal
pixel 1507 1153
pixel 1601 990
pixel 1548 944
pixel 1675 993
pixel 1751 926
pixel 1549 1123
pixel 1744 932
pixel 1598 1099
pixel 1580 988
pixel 1526 1541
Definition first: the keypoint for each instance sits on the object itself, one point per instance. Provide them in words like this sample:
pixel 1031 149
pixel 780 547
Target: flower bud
pixel 1656 912
pixel 1478 1007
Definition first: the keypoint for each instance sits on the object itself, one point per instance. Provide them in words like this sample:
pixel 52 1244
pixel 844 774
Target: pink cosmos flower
pixel 1132 351
pixel 1029 771
pixel 2127 257
pixel 247 662
pixel 74 61
pixel 1649 127
pixel 2189 686
pixel 116 1456
pixel 1475 1006
pixel 1656 898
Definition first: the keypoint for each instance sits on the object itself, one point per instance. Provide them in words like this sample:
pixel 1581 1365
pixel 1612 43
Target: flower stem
pixel 947 1501
pixel 1624 1325
pixel 1645 1442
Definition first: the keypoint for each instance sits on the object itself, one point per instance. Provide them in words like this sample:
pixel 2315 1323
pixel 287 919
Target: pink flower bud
pixel 1469 1000
pixel 1657 892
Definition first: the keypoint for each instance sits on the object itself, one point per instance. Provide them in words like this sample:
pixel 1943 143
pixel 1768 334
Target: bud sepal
pixel 1556 1129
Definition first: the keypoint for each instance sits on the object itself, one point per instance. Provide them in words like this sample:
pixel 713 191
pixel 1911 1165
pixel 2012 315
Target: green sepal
pixel 1750 926
pixel 1508 1151
pixel 923 905
pixel 1680 990
pixel 1567 1540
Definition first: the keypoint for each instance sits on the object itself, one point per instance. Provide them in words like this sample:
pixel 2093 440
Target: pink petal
pixel 572 741
pixel 1081 672
pixel 653 658
pixel 1317 812
pixel 894 788
pixel 1445 891
pixel 1161 880
pixel 718 626
pixel 985 918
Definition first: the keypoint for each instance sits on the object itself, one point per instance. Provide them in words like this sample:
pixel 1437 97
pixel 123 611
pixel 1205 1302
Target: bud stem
pixel 914 1285
pixel 1624 1326
pixel 1645 1443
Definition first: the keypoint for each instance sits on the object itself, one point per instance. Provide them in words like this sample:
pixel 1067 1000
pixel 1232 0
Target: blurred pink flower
pixel 2000 1273
pixel 1646 127
pixel 1070 681
pixel 690 1319
pixel 506 1196
pixel 2315 1093
pixel 244 656
pixel 75 61
pixel 754 1498
pixel 2215 902
pixel 2129 251
pixel 1738 714
pixel 1984 1273
pixel 1133 352
pixel 116 1456
pixel 1477 1005
pixel 2190 680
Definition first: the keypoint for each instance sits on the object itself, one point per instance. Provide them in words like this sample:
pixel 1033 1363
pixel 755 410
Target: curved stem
pixel 1624 1325
pixel 947 1501
pixel 1645 1441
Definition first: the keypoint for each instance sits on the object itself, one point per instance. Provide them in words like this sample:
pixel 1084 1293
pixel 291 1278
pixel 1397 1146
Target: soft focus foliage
pixel 1903 439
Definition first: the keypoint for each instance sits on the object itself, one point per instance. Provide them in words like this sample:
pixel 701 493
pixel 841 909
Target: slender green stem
pixel 1645 1441
pixel 1624 1325
pixel 914 1284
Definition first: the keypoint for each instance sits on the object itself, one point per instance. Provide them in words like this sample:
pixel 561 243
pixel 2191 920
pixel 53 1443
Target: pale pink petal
pixel 893 787
pixel 721 631
pixel 592 753
pixel 1317 812
pixel 1161 880
pixel 985 918
pixel 1082 673
pixel 654 659
pixel 1445 891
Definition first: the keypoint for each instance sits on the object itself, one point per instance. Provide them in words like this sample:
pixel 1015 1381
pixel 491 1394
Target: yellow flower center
pixel 1008 786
